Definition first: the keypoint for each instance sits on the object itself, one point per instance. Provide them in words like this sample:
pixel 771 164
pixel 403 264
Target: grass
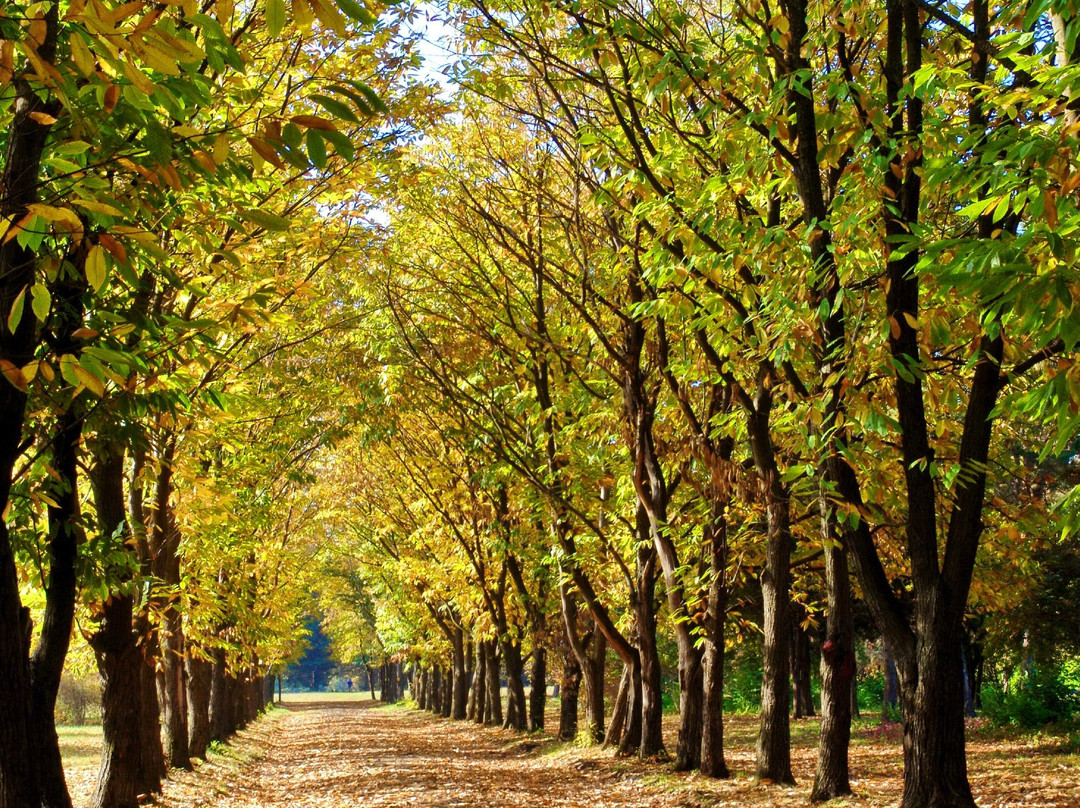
pixel 80 746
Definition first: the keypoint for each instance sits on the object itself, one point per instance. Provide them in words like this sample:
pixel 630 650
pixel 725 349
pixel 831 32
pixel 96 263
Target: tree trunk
pixel 172 690
pixel 774 736
pixel 47 663
pixel 26 140
pixel 198 700
pixel 153 753
pixel 802 701
pixel 630 739
pixel 480 683
pixel 935 759
pixel 837 673
pixel 120 663
pixel 460 696
pixel 119 660
pixel 421 689
pixel 435 699
pixel 494 712
pixel 618 713
pixel 593 673
pixel 713 763
pixel 516 713
pixel 890 697
pixel 538 689
pixel 649 672
pixel 447 694
pixel 219 698
pixel 569 686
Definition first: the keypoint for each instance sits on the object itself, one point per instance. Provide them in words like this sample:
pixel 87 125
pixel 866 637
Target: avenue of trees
pixel 669 325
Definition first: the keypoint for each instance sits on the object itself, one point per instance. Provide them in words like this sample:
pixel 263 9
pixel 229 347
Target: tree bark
pixel 199 673
pixel 435 702
pixel 802 699
pixel 837 673
pixel 480 680
pixel 713 763
pixel 47 663
pixel 537 689
pixel 619 710
pixel 648 672
pixel 118 657
pixel 593 674
pixel 461 679
pixel 569 686
pixel 494 712
pixel 517 716
pixel 18 188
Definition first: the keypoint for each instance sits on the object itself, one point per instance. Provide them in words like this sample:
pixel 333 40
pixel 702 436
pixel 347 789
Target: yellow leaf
pixel 94 206
pixel 302 14
pixel 95 267
pixel 1050 206
pixel 221 148
pixel 81 55
pixel 14 375
pixel 89 380
pixel 46 370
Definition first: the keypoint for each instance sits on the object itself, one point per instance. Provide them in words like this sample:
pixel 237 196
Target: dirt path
pixel 337 754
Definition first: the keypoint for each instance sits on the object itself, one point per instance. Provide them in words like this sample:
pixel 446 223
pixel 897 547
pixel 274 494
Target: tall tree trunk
pixel 447 694
pixel 47 663
pixel 153 766
pixel 19 185
pixel 774 735
pixel 461 679
pixel 713 763
pixel 435 702
pixel 648 672
pixel 619 710
pixel 172 690
pixel 630 738
pixel 118 657
pixel 517 716
pixel 480 681
pixel 198 701
pixel 593 673
pixel 538 688
pixel 219 697
pixel 494 711
pixel 802 699
pixel 935 760
pixel 837 673
pixel 422 689
pixel 569 685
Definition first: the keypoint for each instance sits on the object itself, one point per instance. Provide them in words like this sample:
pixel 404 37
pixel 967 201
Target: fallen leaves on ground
pixel 332 754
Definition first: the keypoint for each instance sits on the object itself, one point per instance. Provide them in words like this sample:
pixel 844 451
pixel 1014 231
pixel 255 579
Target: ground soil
pixel 337 753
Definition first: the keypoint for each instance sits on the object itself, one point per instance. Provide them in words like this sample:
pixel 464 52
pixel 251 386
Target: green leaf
pixel 316 149
pixel 265 219
pixel 357 11
pixel 342 145
pixel 40 301
pixel 275 16
pixel 336 108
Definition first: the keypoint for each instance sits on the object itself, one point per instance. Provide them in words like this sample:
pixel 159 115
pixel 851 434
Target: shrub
pixel 78 701
pixel 1036 697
